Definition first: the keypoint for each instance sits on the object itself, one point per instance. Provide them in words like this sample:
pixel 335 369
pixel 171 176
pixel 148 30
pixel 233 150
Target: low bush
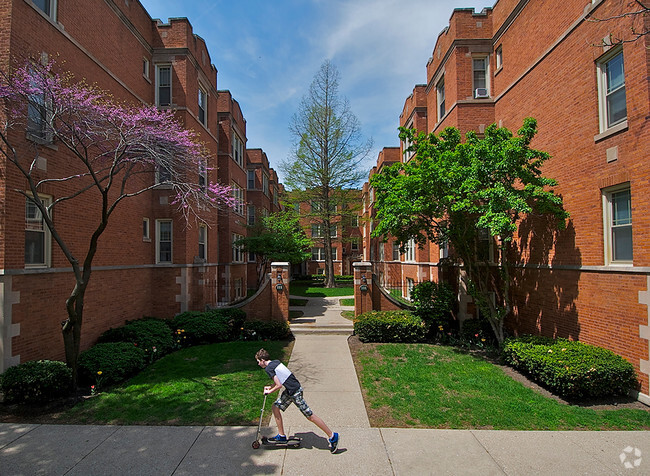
pixel 390 326
pixel 433 302
pixel 477 332
pixel 150 334
pixel 571 369
pixel 217 325
pixel 115 360
pixel 266 330
pixel 38 381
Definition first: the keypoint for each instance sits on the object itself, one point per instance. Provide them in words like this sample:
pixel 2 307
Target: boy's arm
pixel 274 388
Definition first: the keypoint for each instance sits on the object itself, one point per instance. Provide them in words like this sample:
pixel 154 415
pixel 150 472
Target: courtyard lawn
pixel 314 289
pixel 347 302
pixel 218 384
pixel 421 385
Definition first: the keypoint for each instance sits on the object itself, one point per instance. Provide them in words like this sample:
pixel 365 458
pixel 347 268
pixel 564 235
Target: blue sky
pixel 267 53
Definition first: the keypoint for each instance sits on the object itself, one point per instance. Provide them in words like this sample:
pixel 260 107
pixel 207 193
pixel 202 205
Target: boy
pixel 283 377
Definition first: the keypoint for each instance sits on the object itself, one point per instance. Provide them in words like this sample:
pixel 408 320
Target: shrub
pixel 36 382
pixel 217 325
pixel 433 303
pixel 266 330
pixel 150 334
pixel 571 369
pixel 115 360
pixel 477 332
pixel 390 326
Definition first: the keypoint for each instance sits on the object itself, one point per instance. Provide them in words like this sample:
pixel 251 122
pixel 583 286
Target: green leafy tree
pixel 325 162
pixel 459 193
pixel 279 237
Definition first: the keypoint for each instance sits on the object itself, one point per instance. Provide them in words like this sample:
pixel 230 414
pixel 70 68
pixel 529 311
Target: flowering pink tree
pixel 116 151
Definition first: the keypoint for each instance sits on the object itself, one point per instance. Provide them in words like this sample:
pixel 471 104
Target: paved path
pixel 322 361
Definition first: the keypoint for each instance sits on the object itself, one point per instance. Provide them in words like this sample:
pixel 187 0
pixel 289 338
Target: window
pixel 203 175
pixel 617 203
pixel 410 251
pixel 354 220
pixel 237 250
pixel 355 244
pixel 611 88
pixel 382 256
pixel 237 149
pixel 203 104
pixel 37 235
pixel 145 68
pixel 440 96
pixel 395 251
pixel 250 182
pixel 408 154
pixel 47 6
pixel 499 57
pixel 203 241
pixel 39 113
pixel 410 284
pixel 480 69
pixel 239 288
pixel 443 249
pixel 265 184
pixel 318 254
pixel 163 85
pixel 251 215
pixel 145 229
pixel 238 195
pixel 485 246
pixel 318 231
pixel 163 241
pixel 163 170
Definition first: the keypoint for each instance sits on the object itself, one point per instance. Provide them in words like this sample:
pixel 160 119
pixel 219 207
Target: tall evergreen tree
pixel 325 162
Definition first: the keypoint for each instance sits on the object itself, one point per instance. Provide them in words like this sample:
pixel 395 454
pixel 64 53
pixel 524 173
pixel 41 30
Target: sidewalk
pixel 322 362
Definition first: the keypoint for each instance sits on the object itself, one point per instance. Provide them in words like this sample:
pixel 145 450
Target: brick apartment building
pixel 556 61
pixel 150 261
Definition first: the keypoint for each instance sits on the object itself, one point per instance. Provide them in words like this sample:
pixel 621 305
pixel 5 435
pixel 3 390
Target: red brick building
pixel 150 262
pixel 559 63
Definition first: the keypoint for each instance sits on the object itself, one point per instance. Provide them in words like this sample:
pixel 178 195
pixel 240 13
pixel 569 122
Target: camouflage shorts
pixel 284 400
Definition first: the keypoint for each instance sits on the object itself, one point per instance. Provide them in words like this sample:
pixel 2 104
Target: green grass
pixel 347 302
pixel 420 385
pixel 311 289
pixel 218 384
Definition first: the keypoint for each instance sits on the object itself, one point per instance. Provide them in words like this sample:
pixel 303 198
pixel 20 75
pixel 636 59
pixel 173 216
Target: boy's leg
pixel 309 414
pixel 277 414
pixel 318 421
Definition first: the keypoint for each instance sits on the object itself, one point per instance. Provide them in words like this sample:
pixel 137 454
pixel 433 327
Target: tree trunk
pixel 71 329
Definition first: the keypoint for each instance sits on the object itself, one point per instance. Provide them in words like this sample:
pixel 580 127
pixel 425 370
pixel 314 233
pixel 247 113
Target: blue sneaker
pixel 278 438
pixel 334 442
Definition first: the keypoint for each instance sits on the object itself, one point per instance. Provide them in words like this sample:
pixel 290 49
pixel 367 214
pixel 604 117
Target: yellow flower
pixel 99 372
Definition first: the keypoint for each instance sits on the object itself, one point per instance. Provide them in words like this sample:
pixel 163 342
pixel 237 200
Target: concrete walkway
pixel 322 361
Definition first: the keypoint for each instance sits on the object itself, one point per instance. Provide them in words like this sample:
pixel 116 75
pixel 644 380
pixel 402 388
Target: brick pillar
pixel 280 297
pixel 362 277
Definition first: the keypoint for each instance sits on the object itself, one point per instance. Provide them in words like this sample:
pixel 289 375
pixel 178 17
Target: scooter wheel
pixel 256 444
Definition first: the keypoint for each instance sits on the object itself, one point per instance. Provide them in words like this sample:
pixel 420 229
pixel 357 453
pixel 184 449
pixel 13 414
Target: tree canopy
pixel 459 193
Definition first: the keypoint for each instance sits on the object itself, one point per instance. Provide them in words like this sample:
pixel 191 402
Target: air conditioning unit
pixel 481 93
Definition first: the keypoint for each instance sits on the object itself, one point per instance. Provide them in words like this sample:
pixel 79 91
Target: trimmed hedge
pixel 390 326
pixel 571 369
pixel 38 381
pixel 217 325
pixel 266 330
pixel 116 361
pixel 150 334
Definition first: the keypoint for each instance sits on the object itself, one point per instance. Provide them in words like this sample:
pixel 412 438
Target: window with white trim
pixel 354 244
pixel 37 235
pixel 145 68
pixel 47 6
pixel 318 254
pixel 39 113
pixel 203 242
pixel 237 149
pixel 251 215
pixel 203 106
pixel 382 255
pixel 250 179
pixel 164 241
pixel 617 208
pixel 396 252
pixel 410 251
pixel 203 175
pixel 145 230
pixel 440 98
pixel 237 250
pixel 499 57
pixel 163 85
pixel 238 195
pixel 408 154
pixel 265 184
pixel 480 72
pixel 611 89
pixel 354 220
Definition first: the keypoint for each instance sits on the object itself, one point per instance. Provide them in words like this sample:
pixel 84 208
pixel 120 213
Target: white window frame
pixel 251 215
pixel 265 184
pixel 237 149
pixel 203 175
pixel 159 86
pixel 440 98
pixel 237 250
pixel 202 101
pixel 396 253
pixel 39 113
pixel 354 220
pixel 238 195
pixel 34 222
pixel 408 155
pixel 409 256
pixel 499 57
pixel 159 241
pixel 382 252
pixel 146 67
pixel 48 7
pixel 609 226
pixel 203 242
pixel 485 75
pixel 250 179
pixel 318 254
pixel 603 94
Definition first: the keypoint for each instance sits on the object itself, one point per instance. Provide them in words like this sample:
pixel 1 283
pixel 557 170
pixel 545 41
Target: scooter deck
pixel 291 441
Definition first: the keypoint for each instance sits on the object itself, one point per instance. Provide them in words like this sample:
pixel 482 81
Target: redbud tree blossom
pixel 113 151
